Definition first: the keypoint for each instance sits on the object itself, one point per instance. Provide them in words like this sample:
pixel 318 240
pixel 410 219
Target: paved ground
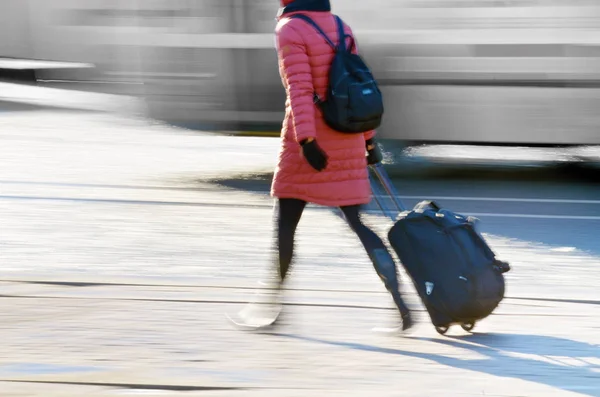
pixel 120 255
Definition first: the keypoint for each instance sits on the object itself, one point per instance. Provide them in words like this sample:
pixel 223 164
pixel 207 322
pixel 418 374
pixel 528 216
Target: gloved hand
pixel 374 154
pixel 315 156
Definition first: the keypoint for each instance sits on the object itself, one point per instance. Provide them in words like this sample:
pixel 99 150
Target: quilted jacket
pixel 304 58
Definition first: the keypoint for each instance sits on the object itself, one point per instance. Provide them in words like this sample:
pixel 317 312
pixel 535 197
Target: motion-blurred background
pixel 135 210
pixel 494 71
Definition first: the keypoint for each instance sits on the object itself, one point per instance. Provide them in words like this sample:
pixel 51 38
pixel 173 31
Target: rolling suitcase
pixel 454 271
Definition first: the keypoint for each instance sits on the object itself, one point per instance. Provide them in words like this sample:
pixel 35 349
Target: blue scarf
pixel 305 5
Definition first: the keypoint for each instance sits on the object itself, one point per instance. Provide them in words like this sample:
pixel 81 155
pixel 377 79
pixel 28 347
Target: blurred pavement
pixel 124 242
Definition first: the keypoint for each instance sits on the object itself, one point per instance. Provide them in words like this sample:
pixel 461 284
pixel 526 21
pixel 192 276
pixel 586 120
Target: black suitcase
pixel 456 274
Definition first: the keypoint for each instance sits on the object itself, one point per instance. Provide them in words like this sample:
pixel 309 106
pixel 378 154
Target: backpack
pixel 354 102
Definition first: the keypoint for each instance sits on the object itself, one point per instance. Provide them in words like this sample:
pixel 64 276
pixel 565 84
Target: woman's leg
pixel 382 260
pixel 266 304
pixel 287 216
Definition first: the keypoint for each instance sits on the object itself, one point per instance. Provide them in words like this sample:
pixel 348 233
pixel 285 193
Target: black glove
pixel 315 156
pixel 374 154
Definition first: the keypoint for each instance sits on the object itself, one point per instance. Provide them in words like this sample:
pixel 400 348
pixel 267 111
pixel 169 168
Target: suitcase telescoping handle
pixel 386 182
pixel 380 202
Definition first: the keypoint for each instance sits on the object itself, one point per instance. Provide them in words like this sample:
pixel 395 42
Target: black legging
pixel 288 216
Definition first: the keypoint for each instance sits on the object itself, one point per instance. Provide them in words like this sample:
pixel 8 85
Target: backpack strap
pixel 317 27
pixel 341 34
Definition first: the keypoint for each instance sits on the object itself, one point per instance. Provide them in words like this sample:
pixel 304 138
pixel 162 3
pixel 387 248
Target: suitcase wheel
pixel 442 330
pixel 468 326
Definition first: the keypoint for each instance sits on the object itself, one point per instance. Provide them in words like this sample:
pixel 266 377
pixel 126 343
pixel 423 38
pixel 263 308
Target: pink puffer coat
pixel 304 59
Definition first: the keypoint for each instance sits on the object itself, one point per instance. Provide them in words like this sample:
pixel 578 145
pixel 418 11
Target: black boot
pixel 386 270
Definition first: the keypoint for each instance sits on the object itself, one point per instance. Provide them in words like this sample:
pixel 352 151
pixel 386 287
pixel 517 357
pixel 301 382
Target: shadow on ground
pixel 554 224
pixel 557 362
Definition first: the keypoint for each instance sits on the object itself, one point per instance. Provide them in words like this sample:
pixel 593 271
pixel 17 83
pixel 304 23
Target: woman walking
pixel 317 164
